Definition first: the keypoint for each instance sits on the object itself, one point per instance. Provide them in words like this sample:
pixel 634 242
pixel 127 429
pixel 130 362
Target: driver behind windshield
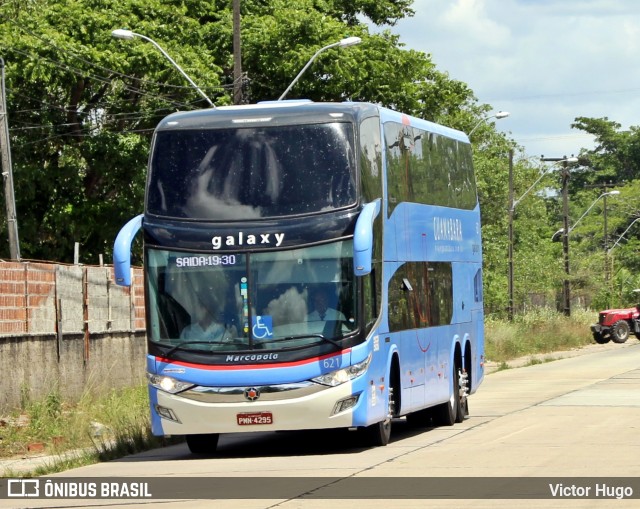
pixel 322 311
pixel 204 324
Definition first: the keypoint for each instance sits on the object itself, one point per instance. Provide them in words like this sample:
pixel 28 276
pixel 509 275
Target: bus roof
pixel 296 111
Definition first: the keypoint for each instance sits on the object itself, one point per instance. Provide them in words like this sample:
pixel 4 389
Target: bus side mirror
pixel 363 239
pixel 122 251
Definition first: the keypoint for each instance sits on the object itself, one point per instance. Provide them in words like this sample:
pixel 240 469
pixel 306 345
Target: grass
pixel 97 429
pixel 92 430
pixel 540 332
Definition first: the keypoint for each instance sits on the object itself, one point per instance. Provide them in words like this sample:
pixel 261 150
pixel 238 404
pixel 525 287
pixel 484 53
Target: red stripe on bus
pixel 232 367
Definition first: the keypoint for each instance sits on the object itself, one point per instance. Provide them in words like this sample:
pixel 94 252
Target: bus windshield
pixel 270 300
pixel 235 174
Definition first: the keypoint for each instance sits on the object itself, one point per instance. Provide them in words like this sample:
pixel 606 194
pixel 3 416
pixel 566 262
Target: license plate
pixel 252 419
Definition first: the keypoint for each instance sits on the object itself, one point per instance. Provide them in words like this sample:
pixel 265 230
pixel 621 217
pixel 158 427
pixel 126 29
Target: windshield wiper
pixel 179 346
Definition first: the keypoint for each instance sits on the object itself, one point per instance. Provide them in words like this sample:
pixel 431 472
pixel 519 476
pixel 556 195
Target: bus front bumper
pixel 244 409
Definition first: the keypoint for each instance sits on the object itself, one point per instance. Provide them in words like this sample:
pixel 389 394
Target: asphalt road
pixel 577 417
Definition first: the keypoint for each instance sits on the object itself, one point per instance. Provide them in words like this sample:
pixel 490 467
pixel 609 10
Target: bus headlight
pixel 168 384
pixel 343 375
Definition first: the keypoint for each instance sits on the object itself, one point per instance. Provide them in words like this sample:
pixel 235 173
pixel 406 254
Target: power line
pixel 111 71
pixel 74 135
pixel 84 75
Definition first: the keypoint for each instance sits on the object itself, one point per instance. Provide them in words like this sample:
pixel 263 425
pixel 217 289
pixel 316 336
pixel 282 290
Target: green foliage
pixel 616 157
pixel 540 331
pixel 117 421
pixel 83 107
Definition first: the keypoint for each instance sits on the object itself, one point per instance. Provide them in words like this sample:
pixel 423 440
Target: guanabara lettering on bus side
pixel 247 239
pixel 447 228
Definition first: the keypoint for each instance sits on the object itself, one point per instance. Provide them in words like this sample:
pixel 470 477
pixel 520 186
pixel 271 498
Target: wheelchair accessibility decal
pixel 262 327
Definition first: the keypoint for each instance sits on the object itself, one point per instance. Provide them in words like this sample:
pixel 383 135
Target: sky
pixel 546 62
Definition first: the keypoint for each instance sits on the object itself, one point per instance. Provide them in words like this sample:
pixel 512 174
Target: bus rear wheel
pixel 204 444
pixel 463 391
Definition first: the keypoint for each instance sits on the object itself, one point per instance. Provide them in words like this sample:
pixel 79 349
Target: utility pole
pixel 566 286
pixel 511 207
pixel 603 187
pixel 237 55
pixel 7 172
pixel 607 272
pixel 565 239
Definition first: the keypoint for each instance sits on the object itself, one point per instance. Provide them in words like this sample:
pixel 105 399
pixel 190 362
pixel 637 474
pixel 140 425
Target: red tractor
pixel 616 325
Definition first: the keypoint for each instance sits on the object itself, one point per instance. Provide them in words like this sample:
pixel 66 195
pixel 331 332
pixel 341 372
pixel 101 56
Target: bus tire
pixel 463 400
pixel 204 444
pixel 379 434
pixel 446 414
pixel 465 408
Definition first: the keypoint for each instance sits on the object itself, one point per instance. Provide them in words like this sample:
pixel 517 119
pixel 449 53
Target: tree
pixel 82 110
pixel 614 163
pixel 616 157
pixel 83 105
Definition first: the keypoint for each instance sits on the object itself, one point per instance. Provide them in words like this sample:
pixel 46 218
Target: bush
pixel 538 331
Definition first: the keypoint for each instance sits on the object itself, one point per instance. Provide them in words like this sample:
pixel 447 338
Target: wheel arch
pixel 456 357
pixel 393 371
pixel 467 360
pixel 457 352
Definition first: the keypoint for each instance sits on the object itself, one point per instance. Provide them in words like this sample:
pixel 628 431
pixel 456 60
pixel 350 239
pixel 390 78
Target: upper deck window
pixel 425 167
pixel 252 172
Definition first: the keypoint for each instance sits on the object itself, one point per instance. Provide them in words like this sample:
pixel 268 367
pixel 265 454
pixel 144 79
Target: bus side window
pixel 477 286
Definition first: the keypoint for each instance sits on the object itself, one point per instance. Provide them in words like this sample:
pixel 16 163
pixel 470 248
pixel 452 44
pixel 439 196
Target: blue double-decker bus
pixel 307 266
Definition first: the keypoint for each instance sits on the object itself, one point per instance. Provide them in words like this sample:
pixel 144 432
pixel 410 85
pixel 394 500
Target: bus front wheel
pixel 447 414
pixel 379 434
pixel 204 444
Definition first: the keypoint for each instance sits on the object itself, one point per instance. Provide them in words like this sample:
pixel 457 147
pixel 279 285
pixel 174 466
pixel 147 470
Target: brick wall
pixel 46 298
pixel 68 328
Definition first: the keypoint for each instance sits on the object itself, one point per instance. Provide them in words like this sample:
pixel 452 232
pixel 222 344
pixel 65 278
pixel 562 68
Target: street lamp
pixel 512 205
pixel 349 41
pixel 497 116
pixel 544 174
pixel 566 286
pixel 557 234
pixel 622 236
pixel 128 35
